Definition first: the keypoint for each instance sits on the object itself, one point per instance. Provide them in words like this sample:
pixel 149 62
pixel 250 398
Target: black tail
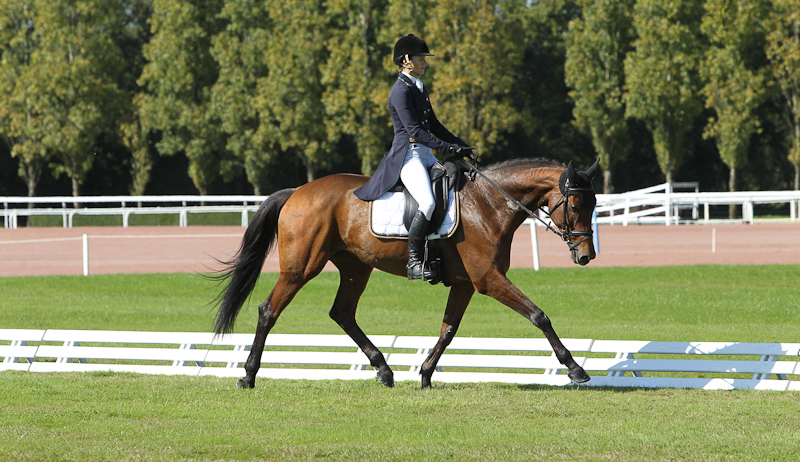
pixel 243 270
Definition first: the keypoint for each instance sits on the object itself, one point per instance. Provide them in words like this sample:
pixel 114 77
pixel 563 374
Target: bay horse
pixel 324 221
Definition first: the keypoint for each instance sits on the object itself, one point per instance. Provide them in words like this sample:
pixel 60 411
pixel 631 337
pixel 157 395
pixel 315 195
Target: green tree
pixel 733 89
pixel 290 100
pixel 20 125
pixel 240 51
pixel 78 67
pixel 136 138
pixel 541 93
pixel 478 50
pixel 783 52
pixel 356 78
pixel 177 77
pixel 597 43
pixel 662 75
pixel 132 37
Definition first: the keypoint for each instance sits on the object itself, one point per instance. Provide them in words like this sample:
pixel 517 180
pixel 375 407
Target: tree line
pixel 249 96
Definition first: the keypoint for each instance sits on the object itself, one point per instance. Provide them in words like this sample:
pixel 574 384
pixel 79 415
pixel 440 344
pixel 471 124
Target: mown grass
pixel 709 303
pixel 88 417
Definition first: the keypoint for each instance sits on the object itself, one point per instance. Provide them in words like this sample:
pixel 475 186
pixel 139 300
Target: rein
pixel 564 235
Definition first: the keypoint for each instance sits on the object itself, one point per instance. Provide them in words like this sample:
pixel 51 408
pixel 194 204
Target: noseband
pixel 566 191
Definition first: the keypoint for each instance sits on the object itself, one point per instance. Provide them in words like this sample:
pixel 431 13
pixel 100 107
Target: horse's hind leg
pixel 284 291
pixel 354 276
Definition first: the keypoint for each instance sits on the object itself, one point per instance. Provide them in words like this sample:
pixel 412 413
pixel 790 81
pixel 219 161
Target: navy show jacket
pixel 412 118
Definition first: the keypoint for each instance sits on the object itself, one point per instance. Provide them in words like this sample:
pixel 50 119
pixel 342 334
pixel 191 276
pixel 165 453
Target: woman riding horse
pixel 323 221
pixel 417 132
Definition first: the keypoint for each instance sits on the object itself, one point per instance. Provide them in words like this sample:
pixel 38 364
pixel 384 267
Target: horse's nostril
pixel 584 260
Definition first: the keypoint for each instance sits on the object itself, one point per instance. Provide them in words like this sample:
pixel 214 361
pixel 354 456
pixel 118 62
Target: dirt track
pixel 51 251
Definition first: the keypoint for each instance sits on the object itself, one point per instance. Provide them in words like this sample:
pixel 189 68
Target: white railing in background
pixel 125 206
pixel 661 204
pixel 655 205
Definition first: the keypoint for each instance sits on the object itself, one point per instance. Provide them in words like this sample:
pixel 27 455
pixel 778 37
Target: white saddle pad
pixel 386 217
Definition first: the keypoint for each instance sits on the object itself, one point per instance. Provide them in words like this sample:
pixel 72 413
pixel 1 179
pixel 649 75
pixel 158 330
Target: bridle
pixel 565 233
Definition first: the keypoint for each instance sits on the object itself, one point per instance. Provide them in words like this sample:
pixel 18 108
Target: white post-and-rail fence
pixel 659 204
pixel 125 206
pixel 654 205
pixel 614 363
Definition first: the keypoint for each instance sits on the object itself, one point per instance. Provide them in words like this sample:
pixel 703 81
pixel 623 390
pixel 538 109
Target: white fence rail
pixel 705 365
pixel 125 206
pixel 661 204
pixel 658 204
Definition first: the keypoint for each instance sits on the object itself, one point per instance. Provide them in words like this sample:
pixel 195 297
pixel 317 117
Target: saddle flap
pixel 440 185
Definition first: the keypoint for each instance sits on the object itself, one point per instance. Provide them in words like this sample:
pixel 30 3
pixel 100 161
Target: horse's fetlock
pixel 449 333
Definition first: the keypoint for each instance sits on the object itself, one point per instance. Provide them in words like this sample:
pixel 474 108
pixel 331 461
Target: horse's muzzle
pixel 583 258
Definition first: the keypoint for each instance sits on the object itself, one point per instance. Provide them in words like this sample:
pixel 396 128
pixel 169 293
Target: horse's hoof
pixel 578 376
pixel 426 385
pixel 244 384
pixel 386 378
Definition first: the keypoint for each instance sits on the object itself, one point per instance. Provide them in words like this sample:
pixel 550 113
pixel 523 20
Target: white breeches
pixel 414 176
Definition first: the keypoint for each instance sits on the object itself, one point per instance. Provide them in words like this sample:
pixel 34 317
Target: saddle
pixel 444 177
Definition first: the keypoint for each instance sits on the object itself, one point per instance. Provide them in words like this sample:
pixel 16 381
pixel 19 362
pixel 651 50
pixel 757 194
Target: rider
pixel 417 132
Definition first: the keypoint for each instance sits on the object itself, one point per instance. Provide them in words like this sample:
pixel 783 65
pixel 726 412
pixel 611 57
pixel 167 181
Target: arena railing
pixel 661 204
pixel 613 363
pixel 125 206
pixel 658 204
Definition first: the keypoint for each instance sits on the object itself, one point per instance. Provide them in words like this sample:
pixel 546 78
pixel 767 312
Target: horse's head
pixel 572 211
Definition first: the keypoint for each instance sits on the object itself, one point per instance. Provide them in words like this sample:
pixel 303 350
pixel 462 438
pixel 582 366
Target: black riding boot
pixel 416 245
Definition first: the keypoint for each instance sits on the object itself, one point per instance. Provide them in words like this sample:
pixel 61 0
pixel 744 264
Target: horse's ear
pixel 571 173
pixel 593 168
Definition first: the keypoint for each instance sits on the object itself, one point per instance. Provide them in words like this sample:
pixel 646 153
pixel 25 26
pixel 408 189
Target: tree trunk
pixel 76 191
pixel 608 186
pixel 796 187
pixel 732 188
pixel 203 190
pixel 310 173
pixel 32 181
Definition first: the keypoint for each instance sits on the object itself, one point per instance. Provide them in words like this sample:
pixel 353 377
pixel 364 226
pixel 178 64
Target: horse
pixel 324 221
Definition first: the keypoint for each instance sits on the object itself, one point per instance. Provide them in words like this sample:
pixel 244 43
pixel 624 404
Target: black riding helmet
pixel 410 45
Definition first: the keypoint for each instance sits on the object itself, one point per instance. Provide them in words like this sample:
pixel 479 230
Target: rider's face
pixel 418 65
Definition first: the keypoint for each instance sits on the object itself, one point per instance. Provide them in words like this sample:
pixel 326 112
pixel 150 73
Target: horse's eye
pixel 574 208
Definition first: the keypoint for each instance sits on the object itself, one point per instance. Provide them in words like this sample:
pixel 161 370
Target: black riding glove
pixel 460 152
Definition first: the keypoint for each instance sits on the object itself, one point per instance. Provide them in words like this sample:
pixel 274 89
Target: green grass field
pixel 92 417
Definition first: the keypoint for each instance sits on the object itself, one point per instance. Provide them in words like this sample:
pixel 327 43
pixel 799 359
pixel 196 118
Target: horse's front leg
pixel 457 302
pixel 498 286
